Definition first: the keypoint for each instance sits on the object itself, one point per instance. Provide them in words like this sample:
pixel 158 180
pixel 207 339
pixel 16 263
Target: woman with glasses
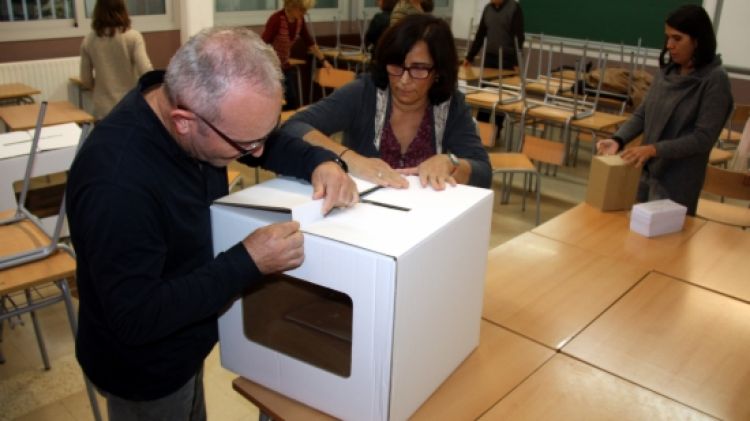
pixel 406 116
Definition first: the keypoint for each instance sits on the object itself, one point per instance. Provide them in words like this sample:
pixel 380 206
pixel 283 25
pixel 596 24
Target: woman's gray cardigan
pixel 682 116
pixel 360 109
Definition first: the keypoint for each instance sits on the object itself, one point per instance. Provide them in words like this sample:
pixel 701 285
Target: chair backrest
pixel 543 150
pixel 727 183
pixel 740 114
pixel 486 132
pixel 333 78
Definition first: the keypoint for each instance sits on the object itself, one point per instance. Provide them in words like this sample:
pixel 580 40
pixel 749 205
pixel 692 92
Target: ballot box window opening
pixel 305 321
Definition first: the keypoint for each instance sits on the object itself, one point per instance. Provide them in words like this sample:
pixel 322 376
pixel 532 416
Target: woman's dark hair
pixel 427 6
pixel 388 5
pixel 694 21
pixel 109 16
pixel 400 38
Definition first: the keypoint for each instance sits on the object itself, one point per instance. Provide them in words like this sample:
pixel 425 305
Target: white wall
pixel 194 16
pixel 463 12
pixel 734 33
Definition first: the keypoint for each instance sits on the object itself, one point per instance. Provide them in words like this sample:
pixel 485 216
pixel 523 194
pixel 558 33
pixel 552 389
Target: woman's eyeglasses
pixel 415 72
pixel 252 144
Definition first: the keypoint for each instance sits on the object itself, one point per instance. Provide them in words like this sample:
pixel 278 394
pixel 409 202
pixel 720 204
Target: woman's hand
pixel 374 170
pixel 607 147
pixel 637 156
pixel 437 171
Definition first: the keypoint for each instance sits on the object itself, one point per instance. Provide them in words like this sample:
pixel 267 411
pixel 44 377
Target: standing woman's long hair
pixel 692 20
pixel 109 16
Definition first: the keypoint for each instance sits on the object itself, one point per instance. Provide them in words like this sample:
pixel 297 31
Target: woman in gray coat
pixel 683 113
pixel 406 117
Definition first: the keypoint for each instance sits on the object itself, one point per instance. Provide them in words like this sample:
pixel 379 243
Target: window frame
pixel 80 25
pixel 259 17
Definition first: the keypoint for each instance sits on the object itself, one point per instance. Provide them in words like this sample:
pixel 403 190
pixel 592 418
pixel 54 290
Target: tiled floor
pixel 27 392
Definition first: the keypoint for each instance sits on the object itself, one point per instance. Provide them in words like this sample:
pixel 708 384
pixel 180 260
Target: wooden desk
pixel 608 233
pixel 598 122
pixel 552 290
pixel 566 389
pixel 78 84
pixel 502 361
pixel 17 93
pixel 679 340
pixel 654 348
pixel 23 117
pixel 716 258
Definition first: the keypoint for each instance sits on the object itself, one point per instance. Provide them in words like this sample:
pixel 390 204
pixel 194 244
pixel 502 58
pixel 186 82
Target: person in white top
pixel 113 56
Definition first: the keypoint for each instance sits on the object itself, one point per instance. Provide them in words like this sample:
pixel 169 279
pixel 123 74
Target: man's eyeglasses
pixel 415 72
pixel 252 144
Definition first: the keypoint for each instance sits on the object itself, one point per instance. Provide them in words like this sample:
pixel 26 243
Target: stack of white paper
pixel 657 218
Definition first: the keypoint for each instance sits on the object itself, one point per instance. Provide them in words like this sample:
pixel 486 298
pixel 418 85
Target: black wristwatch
pixel 341 164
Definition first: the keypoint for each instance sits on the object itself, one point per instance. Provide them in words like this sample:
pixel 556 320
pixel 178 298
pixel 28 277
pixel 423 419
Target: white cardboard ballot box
pixel 385 306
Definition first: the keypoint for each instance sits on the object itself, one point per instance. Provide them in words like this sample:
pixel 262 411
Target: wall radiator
pixel 49 76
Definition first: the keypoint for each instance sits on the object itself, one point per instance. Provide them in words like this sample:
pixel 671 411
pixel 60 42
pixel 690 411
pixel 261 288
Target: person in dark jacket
pixel 138 198
pixel 682 115
pixel 379 23
pixel 502 24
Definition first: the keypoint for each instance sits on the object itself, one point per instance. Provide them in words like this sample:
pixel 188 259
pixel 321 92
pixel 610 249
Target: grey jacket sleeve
pixel 714 108
pixel 634 126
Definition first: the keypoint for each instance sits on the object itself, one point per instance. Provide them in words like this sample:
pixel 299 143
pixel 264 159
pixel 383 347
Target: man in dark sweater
pixel 138 200
pixel 501 24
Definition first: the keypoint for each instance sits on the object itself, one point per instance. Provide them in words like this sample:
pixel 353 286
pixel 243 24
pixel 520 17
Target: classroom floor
pixel 29 393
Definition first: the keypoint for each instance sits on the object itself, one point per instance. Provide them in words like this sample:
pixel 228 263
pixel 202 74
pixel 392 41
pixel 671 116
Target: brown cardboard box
pixel 612 183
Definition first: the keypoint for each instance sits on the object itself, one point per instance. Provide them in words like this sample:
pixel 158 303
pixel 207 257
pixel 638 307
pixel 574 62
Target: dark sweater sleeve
pixel 127 264
pixel 287 154
pixel 332 114
pixel 516 26
pixel 478 39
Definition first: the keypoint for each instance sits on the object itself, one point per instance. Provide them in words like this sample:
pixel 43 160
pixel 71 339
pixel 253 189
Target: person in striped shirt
pixel 282 30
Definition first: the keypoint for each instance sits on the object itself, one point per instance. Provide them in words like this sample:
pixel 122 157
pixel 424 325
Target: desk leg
pixel 566 139
pixel 299 86
pixel 313 68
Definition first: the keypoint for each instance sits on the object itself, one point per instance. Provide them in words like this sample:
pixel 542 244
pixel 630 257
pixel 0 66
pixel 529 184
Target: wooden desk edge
pixel 242 386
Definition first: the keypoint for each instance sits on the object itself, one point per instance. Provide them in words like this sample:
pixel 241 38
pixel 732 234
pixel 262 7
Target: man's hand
pixel 276 248
pixel 332 183
pixel 607 147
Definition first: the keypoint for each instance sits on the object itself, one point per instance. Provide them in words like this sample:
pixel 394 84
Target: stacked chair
pixel 30 259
